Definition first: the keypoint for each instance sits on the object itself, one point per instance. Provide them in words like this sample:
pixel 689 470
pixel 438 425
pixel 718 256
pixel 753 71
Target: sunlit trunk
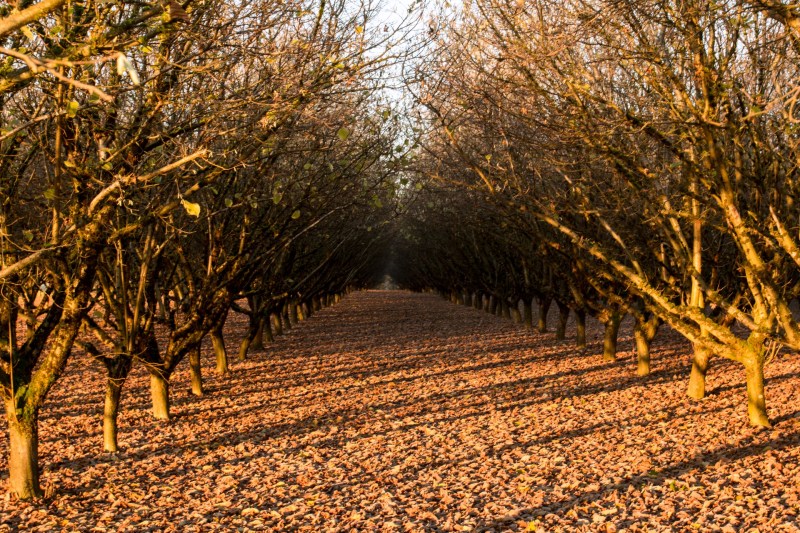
pixel 110 412
pixel 697 377
pixel 195 371
pixel 642 351
pixel 220 353
pixel 610 335
pixel 117 371
pixel 159 392
pixel 23 453
pixel 756 401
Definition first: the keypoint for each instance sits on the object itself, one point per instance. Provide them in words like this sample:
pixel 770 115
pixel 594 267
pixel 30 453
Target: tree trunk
pixel 218 342
pixel 642 351
pixel 159 391
pixel 544 307
pixel 110 412
pixel 244 347
pixel 563 317
pixel 23 455
pixel 195 371
pixel 258 340
pixel 276 319
pixel 506 309
pixel 287 323
pixel 493 304
pixel 528 313
pixel 697 377
pixel 515 314
pixel 580 328
pixel 293 313
pixel 117 370
pixel 756 401
pixel 610 337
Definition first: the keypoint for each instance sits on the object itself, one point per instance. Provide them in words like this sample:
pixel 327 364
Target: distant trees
pixel 159 163
pixel 646 152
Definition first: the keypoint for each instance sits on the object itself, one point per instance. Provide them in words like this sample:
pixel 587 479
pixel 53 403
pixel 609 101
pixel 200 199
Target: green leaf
pixel 192 208
pixel 50 194
pixel 28 234
pixel 228 202
pixel 107 166
pixel 343 133
pixel 277 196
pixel 26 31
pixel 72 108
pixel 296 214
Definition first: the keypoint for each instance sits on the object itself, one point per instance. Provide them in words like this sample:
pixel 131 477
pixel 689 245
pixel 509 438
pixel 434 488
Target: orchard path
pixel 394 411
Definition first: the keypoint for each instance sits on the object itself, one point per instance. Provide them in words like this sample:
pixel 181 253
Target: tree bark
pixel 544 307
pixel 117 370
pixel 287 323
pixel 159 392
pixel 258 340
pixel 23 455
pixel 493 304
pixel 276 319
pixel 527 312
pixel 195 371
pixel 110 412
pixel 610 337
pixel 244 347
pixel 506 309
pixel 221 354
pixel 642 351
pixel 563 317
pixel 697 377
pixel 756 401
pixel 580 328
pixel 515 314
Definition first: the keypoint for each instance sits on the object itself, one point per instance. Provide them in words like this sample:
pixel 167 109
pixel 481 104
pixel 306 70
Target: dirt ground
pixel 402 412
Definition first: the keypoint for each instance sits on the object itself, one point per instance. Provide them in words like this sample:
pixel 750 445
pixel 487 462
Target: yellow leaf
pixel 192 208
